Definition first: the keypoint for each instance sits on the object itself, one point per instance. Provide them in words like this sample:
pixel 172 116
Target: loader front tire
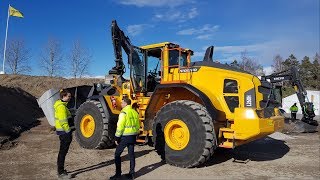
pixel 94 126
pixel 183 133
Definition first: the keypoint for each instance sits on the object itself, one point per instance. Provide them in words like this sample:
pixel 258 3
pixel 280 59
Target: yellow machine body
pixel 234 96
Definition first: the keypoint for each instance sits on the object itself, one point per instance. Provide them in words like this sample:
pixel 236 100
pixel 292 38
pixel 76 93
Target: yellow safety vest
pixel 294 109
pixel 61 114
pixel 128 122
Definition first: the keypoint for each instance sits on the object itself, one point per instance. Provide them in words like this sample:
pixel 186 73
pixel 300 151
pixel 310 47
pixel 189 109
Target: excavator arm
pixel 119 41
pixel 292 76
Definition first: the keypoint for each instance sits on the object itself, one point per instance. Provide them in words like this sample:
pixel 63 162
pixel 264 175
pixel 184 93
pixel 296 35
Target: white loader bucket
pixel 46 102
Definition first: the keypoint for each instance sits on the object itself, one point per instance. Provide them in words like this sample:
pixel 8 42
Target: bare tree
pixel 17 57
pixel 277 65
pixel 51 58
pixel 250 65
pixel 80 58
pixel 235 64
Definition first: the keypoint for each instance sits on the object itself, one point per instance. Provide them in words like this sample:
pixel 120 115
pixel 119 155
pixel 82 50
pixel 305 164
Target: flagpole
pixel 5 41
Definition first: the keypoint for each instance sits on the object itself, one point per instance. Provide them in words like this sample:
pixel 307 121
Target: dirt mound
pixel 19 112
pixel 297 126
pixel 37 85
pixel 19 109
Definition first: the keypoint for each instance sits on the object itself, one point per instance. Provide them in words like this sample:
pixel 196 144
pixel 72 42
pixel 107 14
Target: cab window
pixel 183 61
pixel 231 97
pixel 173 58
pixel 230 86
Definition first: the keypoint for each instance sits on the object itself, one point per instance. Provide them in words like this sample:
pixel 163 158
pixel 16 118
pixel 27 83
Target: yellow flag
pixel 14 12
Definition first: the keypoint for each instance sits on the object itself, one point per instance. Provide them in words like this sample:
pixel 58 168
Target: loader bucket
pixel 79 95
pixel 47 100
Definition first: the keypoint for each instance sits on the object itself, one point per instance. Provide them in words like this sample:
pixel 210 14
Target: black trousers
pixel 65 141
pixel 129 142
pixel 294 116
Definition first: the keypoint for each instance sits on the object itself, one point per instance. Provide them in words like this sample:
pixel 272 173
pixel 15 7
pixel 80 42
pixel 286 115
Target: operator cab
pixel 148 64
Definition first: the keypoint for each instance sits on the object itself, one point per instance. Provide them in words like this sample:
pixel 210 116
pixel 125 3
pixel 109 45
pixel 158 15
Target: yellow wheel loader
pixel 187 109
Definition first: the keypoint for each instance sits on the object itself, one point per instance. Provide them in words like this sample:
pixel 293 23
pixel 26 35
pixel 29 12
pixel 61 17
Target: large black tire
pixel 104 130
pixel 202 141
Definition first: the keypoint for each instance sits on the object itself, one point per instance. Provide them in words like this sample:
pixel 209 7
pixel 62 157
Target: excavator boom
pixel 119 41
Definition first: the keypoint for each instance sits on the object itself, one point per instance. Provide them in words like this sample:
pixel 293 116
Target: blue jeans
pixel 129 142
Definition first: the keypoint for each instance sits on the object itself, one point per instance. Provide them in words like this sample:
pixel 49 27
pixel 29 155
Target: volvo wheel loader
pixel 187 109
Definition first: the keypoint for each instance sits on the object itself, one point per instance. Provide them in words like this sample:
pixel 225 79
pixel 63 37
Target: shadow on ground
pixel 149 168
pixel 265 149
pixel 74 173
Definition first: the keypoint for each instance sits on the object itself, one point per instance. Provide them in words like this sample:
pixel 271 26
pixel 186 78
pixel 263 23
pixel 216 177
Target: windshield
pixel 137 69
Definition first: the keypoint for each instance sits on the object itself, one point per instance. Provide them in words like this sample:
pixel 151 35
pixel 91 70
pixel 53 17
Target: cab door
pixel 175 66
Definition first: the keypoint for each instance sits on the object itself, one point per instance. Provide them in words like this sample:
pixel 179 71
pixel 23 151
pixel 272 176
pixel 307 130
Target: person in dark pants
pixel 62 114
pixel 127 130
pixel 294 110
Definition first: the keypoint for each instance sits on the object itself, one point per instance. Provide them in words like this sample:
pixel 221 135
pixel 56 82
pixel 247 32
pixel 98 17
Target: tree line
pixel 52 60
pixel 309 69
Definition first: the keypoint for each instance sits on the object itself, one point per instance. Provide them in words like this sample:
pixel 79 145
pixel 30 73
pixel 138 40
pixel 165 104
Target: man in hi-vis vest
pixel 62 114
pixel 294 110
pixel 127 130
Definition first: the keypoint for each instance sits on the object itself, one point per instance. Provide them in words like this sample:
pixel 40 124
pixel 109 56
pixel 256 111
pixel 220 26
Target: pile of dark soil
pixel 19 110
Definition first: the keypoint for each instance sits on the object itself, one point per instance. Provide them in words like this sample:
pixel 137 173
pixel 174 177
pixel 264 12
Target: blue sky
pixel 263 28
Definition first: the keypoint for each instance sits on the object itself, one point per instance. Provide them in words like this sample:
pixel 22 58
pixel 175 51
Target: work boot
pixel 63 175
pixel 115 177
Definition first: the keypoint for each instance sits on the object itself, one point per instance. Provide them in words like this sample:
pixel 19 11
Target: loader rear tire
pixel 183 133
pixel 98 134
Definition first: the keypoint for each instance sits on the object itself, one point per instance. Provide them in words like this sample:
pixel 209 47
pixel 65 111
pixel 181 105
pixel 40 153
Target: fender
pixel 150 111
pixel 103 102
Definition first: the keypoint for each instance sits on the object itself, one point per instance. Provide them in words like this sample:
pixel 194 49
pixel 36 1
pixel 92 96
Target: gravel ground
pixel 279 156
pixel 33 155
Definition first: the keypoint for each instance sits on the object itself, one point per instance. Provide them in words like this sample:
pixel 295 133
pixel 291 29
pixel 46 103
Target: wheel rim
pixel 176 134
pixel 87 126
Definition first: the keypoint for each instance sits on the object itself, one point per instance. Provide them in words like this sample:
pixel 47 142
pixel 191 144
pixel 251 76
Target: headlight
pixel 250 114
